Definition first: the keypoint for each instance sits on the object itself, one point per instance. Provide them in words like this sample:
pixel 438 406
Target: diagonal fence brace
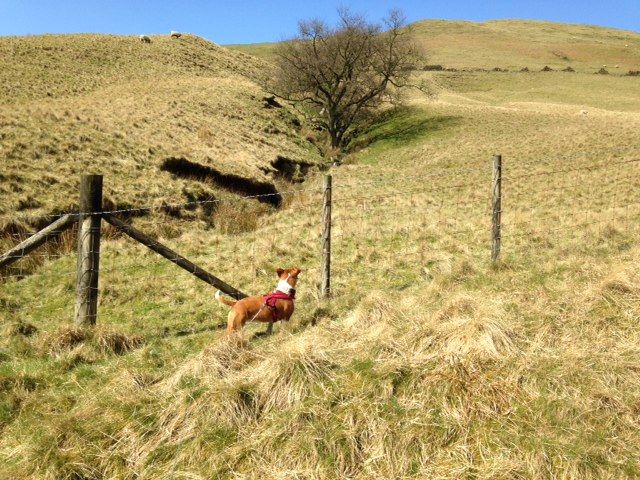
pixel 172 256
pixel 36 240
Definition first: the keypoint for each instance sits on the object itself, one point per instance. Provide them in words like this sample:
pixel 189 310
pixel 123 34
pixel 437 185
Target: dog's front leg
pixel 269 330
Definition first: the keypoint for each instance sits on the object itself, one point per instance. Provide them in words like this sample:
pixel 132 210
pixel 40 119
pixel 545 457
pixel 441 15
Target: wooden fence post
pixel 496 206
pixel 325 285
pixel 88 250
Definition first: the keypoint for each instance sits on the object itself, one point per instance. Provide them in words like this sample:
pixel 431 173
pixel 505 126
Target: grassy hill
pixel 514 44
pixel 137 113
pixel 518 44
pixel 429 361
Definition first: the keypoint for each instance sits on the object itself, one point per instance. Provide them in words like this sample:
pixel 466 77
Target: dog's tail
pixel 223 300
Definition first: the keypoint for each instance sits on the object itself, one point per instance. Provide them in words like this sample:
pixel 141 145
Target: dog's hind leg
pixel 234 322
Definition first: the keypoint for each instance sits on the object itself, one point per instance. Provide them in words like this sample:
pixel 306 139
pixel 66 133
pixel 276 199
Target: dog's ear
pixel 296 272
pixel 279 271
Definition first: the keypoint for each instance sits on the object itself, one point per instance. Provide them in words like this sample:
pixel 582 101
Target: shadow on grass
pixel 197 330
pixel 400 126
pixel 212 328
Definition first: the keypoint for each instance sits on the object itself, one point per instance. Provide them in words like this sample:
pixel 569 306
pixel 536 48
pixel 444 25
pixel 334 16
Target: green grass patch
pixel 396 128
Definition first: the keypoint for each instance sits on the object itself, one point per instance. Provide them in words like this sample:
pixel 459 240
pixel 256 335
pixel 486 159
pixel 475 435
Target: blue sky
pixel 251 21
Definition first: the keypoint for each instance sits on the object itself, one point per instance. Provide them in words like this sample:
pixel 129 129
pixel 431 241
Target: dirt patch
pixel 265 192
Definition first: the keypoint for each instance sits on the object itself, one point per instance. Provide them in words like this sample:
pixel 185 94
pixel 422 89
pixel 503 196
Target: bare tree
pixel 342 73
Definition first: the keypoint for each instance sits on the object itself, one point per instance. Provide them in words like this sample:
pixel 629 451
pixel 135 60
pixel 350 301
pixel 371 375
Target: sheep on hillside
pixel 145 39
pixel 175 34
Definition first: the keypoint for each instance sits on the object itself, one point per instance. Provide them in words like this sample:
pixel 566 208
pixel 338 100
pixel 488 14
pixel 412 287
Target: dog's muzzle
pixel 285 287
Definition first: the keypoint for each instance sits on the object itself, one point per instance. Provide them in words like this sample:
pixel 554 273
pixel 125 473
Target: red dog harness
pixel 271 299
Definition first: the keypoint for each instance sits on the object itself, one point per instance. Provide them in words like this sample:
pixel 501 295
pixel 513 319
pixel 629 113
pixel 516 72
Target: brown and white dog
pixel 275 306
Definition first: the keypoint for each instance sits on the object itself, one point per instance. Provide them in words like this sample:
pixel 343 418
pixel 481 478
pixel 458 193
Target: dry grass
pixel 428 362
pixel 239 216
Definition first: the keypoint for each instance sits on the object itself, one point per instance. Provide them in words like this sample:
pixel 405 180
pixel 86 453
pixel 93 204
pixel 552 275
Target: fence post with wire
pixel 88 250
pixel 496 208
pixel 325 283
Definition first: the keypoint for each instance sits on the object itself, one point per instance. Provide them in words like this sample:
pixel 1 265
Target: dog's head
pixel 290 275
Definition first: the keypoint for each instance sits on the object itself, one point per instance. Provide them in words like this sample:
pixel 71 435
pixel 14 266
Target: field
pixel 429 361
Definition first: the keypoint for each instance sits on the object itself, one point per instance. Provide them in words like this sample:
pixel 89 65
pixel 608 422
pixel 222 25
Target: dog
pixel 271 308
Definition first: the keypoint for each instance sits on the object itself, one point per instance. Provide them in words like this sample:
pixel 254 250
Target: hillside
pixel 138 113
pixel 510 44
pixel 429 361
pixel 518 44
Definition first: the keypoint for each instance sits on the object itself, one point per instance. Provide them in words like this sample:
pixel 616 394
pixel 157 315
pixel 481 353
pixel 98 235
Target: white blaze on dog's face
pixel 288 278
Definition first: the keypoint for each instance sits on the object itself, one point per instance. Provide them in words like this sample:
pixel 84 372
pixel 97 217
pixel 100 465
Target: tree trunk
pixel 335 139
pixel 335 130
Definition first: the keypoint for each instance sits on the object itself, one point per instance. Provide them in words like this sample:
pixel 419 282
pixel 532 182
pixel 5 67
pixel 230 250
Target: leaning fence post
pixel 496 206
pixel 325 285
pixel 34 241
pixel 88 250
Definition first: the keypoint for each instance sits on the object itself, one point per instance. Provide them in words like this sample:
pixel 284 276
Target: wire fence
pixel 377 225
